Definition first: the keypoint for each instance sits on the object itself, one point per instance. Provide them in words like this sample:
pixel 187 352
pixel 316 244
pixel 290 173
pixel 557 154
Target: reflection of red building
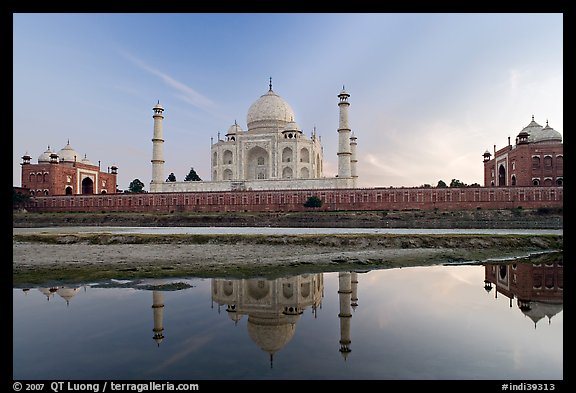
pixel 537 159
pixel 538 286
pixel 66 173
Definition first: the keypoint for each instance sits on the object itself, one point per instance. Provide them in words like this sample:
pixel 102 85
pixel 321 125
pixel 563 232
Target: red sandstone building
pixel 537 159
pixel 64 173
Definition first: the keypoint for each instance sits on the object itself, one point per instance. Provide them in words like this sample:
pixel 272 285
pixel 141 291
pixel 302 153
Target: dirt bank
pixel 45 258
pixel 497 219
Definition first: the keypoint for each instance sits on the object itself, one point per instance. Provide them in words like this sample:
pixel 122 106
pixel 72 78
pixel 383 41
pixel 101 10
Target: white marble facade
pixel 272 154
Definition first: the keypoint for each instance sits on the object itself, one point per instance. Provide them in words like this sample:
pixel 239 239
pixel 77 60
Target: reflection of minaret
pixel 158 310
pixel 354 298
pixel 345 295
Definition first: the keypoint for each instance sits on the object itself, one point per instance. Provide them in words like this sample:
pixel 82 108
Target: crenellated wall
pixel 293 200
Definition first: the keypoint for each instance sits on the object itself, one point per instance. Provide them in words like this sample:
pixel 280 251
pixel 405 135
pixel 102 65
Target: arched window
pixel 227 157
pixel 513 180
pixel 304 173
pixel 287 173
pixel 535 162
pixel 560 181
pixel 535 182
pixel 287 155
pixel 548 162
pixel 304 155
pixel 68 190
pixel 227 174
pixel 215 159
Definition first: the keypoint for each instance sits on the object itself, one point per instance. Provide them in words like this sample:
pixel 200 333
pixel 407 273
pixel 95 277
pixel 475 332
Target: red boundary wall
pixel 293 200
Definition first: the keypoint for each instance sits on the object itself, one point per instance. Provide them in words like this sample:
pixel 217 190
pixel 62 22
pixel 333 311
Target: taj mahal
pixel 273 153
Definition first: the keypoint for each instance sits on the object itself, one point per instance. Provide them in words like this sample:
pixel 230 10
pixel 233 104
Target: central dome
pixel 269 111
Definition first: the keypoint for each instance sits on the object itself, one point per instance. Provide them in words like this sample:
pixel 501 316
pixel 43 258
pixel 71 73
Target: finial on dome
pixel 546 122
pixel 158 103
pixel 532 117
pixel 270 85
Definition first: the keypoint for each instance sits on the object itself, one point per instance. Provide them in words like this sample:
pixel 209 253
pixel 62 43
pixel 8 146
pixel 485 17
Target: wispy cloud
pixel 186 93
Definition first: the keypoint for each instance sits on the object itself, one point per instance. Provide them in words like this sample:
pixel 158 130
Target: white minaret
pixel 344 153
pixel 158 312
pixel 353 158
pixel 157 148
pixel 345 315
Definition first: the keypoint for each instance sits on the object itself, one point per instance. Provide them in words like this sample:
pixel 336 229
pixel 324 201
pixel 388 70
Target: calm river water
pixel 497 321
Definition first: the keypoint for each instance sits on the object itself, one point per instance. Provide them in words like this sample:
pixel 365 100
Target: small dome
pixel 538 134
pixel 292 126
pixel 234 129
pixel 548 134
pixel 68 154
pixel 86 161
pixel 45 157
pixel 269 111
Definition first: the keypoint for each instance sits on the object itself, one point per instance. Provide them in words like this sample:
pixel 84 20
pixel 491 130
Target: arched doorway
pixel 501 176
pixel 87 186
pixel 68 190
pixel 258 164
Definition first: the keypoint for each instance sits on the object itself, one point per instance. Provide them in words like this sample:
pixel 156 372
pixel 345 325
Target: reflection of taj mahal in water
pixel 274 306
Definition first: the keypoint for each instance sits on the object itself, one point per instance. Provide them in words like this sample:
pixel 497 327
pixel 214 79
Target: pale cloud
pixel 187 93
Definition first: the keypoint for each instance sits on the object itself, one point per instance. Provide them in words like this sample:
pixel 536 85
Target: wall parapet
pixel 293 200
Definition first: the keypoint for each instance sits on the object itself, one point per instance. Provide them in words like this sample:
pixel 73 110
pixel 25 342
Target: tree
pixel 18 199
pixel 192 176
pixel 441 184
pixel 455 183
pixel 136 186
pixel 313 201
pixel 171 177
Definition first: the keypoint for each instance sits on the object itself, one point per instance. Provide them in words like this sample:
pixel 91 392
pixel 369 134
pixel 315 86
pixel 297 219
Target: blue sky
pixel 429 93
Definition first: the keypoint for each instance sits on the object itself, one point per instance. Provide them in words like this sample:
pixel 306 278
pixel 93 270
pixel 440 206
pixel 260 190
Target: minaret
pixel 345 295
pixel 344 153
pixel 158 311
pixel 157 147
pixel 353 158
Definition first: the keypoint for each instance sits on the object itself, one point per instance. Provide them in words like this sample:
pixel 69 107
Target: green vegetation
pixel 136 186
pixel 313 201
pixel 192 176
pixel 171 177
pixel 18 199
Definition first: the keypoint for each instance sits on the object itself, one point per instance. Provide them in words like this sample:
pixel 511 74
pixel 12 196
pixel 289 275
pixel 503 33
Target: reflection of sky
pixel 412 323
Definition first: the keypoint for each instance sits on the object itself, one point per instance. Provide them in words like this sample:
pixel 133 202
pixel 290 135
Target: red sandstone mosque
pixel 66 173
pixel 536 159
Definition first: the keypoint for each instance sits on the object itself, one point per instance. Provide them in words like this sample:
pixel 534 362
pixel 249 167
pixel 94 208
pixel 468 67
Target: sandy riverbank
pixel 85 257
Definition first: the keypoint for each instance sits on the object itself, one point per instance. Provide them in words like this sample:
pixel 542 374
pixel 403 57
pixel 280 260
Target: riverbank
pixel 543 218
pixel 41 258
